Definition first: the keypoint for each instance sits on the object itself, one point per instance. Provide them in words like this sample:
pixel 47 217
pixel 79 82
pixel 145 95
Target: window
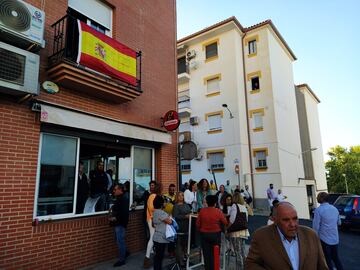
pixel 142 172
pixel 57 175
pixel 258 121
pixel 213 85
pixel 260 158
pixel 211 51
pixel 255 84
pixel 61 193
pixel 185 165
pixel 252 46
pixel 214 122
pixel 94 13
pixel 216 160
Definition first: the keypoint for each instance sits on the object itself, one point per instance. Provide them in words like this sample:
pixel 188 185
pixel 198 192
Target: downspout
pixel 247 121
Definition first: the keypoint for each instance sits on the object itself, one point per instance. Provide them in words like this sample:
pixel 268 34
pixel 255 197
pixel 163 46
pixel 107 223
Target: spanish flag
pixel 104 54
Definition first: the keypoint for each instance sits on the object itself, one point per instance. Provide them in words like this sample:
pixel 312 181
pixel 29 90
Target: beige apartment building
pixel 250 123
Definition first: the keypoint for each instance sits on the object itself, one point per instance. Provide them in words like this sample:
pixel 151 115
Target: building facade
pixel 238 104
pixel 57 112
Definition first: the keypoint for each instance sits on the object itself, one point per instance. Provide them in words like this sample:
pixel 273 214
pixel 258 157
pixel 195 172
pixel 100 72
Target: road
pixel 349 247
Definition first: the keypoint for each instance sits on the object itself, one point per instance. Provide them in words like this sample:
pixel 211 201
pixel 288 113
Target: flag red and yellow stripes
pixel 104 54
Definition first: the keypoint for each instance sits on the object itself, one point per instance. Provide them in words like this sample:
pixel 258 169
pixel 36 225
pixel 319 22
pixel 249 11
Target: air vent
pixel 12 66
pixel 15 15
pixel 19 71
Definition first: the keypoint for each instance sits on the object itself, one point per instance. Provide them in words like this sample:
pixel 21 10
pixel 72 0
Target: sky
pixel 325 37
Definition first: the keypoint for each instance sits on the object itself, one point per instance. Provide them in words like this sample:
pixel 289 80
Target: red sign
pixel 171 120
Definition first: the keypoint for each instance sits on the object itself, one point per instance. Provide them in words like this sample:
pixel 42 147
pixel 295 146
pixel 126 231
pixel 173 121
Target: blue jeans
pixel 331 255
pixel 120 240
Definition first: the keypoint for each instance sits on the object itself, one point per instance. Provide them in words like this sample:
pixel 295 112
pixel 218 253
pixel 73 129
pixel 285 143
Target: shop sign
pixel 171 120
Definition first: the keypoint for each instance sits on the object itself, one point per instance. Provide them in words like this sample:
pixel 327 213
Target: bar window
pixel 255 83
pixel 57 177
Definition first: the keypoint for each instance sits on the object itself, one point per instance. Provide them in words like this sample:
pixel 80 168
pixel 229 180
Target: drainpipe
pixel 247 122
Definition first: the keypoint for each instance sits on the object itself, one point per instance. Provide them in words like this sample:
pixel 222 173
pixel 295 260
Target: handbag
pixel 171 231
pixel 240 222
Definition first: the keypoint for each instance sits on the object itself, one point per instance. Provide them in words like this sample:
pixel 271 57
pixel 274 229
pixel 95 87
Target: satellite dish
pixel 188 150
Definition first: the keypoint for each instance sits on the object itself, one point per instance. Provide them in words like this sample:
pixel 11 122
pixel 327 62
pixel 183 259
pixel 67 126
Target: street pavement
pixel 349 249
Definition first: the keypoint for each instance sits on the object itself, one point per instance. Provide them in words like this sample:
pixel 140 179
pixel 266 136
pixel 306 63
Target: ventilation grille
pixel 12 67
pixel 15 15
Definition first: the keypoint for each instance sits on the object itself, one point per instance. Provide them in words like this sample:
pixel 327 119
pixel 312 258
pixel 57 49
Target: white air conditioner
pixel 194 120
pixel 19 71
pixel 190 54
pixel 193 64
pixel 199 154
pixel 21 24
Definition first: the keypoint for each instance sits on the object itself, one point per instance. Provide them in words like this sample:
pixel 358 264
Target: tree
pixel 343 163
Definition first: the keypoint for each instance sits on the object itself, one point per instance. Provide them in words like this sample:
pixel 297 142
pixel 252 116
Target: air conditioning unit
pixel 194 120
pixel 199 155
pixel 21 24
pixel 193 64
pixel 19 71
pixel 190 55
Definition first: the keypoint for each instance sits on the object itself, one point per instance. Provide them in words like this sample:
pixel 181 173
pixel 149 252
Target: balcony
pixel 184 108
pixel 66 72
pixel 183 73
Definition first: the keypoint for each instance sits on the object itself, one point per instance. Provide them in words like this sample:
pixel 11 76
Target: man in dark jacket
pixel 120 219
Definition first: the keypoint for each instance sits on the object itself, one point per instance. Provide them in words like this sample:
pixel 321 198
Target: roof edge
pixel 271 24
pixel 221 23
pixel 310 90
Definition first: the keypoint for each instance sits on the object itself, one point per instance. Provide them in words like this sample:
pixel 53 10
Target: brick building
pixel 93 117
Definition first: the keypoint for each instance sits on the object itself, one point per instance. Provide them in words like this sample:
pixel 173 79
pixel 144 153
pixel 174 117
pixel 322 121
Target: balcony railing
pixel 65 50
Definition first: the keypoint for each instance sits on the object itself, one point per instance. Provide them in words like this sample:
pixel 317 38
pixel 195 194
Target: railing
pixel 184 104
pixel 65 48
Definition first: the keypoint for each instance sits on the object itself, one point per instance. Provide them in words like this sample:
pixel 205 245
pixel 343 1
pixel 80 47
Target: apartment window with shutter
pixel 214 122
pixel 213 85
pixel 258 121
pixel 185 165
pixel 216 161
pixel 260 155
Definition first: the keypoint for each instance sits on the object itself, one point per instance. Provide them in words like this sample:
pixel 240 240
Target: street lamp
pixel 226 106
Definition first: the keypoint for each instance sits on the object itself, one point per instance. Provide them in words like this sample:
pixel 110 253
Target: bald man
pixel 285 245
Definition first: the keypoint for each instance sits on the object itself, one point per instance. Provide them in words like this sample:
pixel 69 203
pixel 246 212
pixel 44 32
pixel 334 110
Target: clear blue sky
pixel 325 37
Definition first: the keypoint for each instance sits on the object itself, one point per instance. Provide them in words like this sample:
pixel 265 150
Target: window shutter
pixel 214 122
pixel 213 85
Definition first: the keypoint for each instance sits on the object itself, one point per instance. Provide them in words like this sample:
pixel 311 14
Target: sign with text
pixel 171 120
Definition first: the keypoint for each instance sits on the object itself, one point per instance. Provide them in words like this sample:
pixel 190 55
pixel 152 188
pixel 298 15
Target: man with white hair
pixel 285 245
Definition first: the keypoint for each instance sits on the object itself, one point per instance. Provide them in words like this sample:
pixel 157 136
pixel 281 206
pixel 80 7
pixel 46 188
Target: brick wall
pixel 148 26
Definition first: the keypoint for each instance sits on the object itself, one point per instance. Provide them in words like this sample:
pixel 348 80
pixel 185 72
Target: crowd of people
pixel 220 219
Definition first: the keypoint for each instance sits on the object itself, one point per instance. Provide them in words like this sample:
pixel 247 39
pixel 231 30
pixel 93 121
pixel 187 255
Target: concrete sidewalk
pixel 135 262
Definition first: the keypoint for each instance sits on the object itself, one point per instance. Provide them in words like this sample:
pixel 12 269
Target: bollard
pixel 216 257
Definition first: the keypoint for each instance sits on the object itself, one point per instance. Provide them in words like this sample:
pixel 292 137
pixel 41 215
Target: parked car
pixel 349 210
pixel 333 197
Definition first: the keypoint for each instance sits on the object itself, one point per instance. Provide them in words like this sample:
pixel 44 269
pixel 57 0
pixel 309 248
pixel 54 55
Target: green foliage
pixel 344 163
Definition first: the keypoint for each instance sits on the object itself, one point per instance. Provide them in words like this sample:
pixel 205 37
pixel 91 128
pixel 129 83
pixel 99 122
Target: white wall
pixel 315 141
pixel 287 126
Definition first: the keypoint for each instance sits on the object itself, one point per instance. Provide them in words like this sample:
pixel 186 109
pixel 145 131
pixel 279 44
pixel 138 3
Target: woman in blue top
pixel 203 191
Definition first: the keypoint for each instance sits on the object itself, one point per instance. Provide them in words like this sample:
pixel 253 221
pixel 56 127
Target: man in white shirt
pixel 271 195
pixel 280 196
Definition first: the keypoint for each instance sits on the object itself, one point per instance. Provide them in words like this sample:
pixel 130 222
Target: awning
pixel 68 118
